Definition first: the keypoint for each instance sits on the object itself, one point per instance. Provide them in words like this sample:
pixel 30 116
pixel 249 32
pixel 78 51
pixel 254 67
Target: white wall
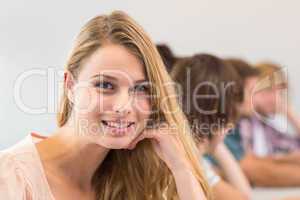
pixel 38 34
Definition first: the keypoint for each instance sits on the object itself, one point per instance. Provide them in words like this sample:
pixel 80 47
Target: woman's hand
pixel 169 148
pixel 167 145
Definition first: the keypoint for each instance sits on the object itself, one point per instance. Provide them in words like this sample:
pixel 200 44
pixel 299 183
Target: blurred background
pixel 36 37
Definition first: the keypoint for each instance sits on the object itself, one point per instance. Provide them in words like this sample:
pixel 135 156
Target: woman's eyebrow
pixel 104 76
pixel 141 81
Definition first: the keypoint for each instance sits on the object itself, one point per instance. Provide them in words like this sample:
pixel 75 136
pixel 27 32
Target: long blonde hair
pixel 140 173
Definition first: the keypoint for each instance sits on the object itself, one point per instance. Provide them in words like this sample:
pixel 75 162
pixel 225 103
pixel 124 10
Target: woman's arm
pixel 187 185
pixel 223 190
pixel 232 170
pixel 12 181
pixel 169 148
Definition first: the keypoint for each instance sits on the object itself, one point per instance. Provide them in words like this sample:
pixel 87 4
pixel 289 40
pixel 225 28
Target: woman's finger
pixel 149 133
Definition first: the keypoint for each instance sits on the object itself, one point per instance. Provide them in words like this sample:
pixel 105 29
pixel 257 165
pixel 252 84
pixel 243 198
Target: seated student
pixel 167 56
pixel 261 171
pixel 265 132
pixel 249 77
pixel 209 99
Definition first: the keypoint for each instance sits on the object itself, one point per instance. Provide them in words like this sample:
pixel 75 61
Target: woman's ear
pixel 69 83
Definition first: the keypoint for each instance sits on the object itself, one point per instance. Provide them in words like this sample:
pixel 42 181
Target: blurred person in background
pixel 209 91
pixel 274 127
pixel 275 170
pixel 167 55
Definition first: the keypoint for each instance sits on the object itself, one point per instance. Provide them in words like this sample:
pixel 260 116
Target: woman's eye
pixel 141 88
pixel 104 85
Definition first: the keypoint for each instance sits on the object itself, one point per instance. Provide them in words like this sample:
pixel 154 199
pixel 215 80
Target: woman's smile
pixel 118 127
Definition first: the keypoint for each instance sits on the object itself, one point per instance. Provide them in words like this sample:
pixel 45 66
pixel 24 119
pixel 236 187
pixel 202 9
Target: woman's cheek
pixel 83 100
pixel 89 103
pixel 143 108
pixel 104 104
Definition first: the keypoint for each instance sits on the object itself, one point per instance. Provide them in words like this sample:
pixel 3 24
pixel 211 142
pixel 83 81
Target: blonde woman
pixel 104 148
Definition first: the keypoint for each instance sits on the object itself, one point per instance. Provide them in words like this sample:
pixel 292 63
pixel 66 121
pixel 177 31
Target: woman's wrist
pixel 181 167
pixel 182 172
pixel 186 183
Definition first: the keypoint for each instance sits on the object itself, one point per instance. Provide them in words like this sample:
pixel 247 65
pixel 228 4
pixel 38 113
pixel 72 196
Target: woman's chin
pixel 113 142
pixel 116 138
pixel 114 145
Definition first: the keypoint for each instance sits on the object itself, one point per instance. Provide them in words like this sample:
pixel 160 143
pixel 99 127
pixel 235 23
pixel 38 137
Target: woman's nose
pixel 122 103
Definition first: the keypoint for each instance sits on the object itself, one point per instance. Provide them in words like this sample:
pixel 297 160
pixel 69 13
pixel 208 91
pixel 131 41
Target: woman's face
pixel 110 98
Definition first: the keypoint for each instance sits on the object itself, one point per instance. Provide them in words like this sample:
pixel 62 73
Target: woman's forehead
pixel 113 60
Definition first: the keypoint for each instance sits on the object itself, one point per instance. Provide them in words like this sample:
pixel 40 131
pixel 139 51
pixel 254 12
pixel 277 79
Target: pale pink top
pixel 22 175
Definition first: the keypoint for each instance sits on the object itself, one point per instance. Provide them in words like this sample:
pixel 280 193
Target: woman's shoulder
pixel 20 151
pixel 10 176
pixel 12 158
pixel 6 160
pixel 18 169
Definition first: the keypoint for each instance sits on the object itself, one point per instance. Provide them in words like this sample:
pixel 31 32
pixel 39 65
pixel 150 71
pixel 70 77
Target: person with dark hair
pixel 209 89
pixel 248 76
pixel 274 171
pixel 167 55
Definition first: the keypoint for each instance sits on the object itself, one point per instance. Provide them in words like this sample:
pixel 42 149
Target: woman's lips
pixel 117 128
